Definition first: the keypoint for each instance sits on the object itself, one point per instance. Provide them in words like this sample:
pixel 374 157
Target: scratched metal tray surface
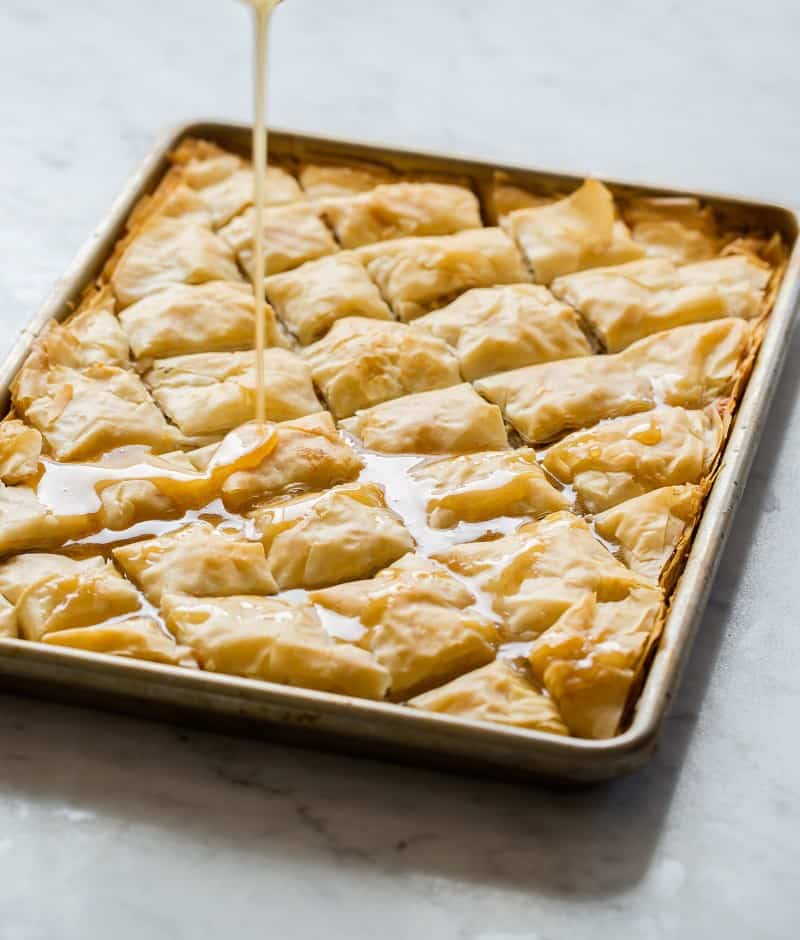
pixel 353 725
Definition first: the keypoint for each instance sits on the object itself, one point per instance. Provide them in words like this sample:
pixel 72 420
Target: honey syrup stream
pixel 262 12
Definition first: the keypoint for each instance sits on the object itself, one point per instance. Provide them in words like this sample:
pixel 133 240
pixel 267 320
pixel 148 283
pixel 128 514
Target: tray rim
pixel 427 736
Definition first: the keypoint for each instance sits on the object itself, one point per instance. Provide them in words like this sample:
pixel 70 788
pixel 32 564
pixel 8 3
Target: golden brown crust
pixel 587 597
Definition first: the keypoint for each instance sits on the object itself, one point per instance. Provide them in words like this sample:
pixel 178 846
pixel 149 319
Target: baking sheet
pixel 355 725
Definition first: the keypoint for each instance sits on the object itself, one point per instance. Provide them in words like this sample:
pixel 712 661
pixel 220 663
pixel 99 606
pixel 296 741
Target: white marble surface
pixel 114 828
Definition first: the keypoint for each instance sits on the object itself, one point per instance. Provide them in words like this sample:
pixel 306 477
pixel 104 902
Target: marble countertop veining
pixel 113 827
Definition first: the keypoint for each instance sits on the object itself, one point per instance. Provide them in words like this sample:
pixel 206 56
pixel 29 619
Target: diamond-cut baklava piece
pixel 402 210
pixel 225 183
pixel 630 301
pixel 339 535
pixel 674 227
pixel 498 328
pixel 453 420
pixel 272 639
pixel 199 560
pixel 124 502
pixel 534 575
pixel 417 275
pixel 310 454
pixel 499 692
pixel 26 522
pixel 478 487
pixel 687 366
pixel 127 502
pixel 304 655
pixel 192 318
pixel 88 411
pixel 131 638
pixel 332 180
pixel 502 196
pixel 293 235
pixel 362 362
pixel 19 573
pixel 313 297
pixel 619 459
pixel 649 528
pixel 591 658
pixel 53 592
pixel 173 200
pixel 20 449
pixel 92 335
pixel 421 623
pixel 543 401
pixel 578 232
pixel 171 251
pixel 692 365
pixel 211 393
pixel 234 634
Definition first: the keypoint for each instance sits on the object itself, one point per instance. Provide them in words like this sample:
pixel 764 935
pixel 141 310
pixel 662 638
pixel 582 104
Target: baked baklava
pixel 486 446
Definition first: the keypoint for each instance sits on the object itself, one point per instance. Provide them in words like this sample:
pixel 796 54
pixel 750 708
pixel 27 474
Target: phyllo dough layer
pixel 339 535
pixel 454 420
pixel 627 302
pixel 310 299
pixel 689 366
pixel 131 638
pixel 533 576
pixel 272 639
pixel 494 329
pixel 214 317
pixel 81 413
pixel 401 210
pixel 590 659
pixel 199 560
pixel 362 362
pixel 20 449
pixel 673 227
pixel 417 275
pixel 211 393
pixel 619 459
pixel 422 625
pixel 92 336
pixel 171 251
pixel 54 592
pixel 502 196
pixel 309 455
pixel 293 235
pixel 482 486
pixel 580 231
pixel 649 528
pixel 26 522
pixel 8 620
pixel 335 180
pixel 225 183
pixel 498 692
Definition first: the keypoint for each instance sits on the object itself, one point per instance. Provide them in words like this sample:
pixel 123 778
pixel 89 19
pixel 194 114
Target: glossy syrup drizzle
pixel 262 10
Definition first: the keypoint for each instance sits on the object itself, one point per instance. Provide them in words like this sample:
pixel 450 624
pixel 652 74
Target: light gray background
pixel 113 828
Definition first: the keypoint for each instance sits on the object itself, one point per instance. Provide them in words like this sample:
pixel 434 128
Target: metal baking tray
pixel 339 722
